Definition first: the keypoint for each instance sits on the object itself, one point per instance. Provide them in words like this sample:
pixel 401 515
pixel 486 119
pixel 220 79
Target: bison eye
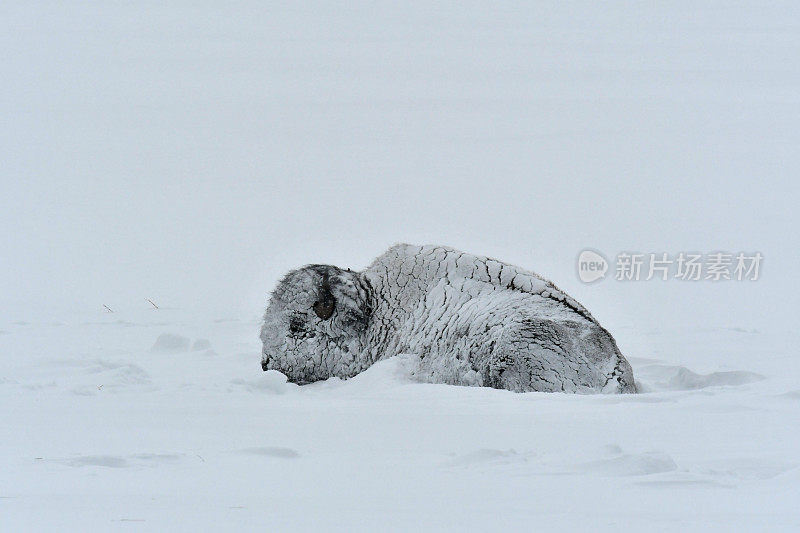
pixel 296 325
pixel 324 307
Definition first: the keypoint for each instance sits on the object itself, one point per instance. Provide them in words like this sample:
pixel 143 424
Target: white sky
pixel 194 154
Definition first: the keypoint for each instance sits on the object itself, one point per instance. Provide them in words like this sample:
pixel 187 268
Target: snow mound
pixel 272 451
pixel 108 461
pixel 680 378
pixel 270 381
pixel 116 461
pixel 632 464
pixel 103 375
pixel 201 344
pixel 171 343
pixel 393 371
pixel 486 456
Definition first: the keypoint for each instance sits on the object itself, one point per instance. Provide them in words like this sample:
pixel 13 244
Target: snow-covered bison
pixel 470 320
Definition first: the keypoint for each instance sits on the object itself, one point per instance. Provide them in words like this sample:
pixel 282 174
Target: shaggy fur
pixel 470 320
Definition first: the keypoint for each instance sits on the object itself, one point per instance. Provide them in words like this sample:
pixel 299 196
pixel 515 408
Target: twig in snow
pixel 151 302
pixel 108 308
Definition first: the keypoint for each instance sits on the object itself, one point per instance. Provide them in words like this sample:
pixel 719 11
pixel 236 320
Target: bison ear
pixel 325 303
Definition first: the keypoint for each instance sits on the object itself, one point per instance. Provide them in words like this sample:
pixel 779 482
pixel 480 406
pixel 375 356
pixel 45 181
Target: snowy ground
pixel 107 429
pixel 194 152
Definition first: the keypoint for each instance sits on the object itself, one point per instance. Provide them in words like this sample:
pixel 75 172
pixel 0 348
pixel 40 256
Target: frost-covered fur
pixel 470 320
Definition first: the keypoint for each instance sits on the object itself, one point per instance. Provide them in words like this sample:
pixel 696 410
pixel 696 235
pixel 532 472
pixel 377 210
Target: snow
pixel 168 342
pixel 99 430
pixel 191 154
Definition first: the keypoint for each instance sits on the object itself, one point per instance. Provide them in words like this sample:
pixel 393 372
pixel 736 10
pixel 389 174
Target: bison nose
pixel 264 363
